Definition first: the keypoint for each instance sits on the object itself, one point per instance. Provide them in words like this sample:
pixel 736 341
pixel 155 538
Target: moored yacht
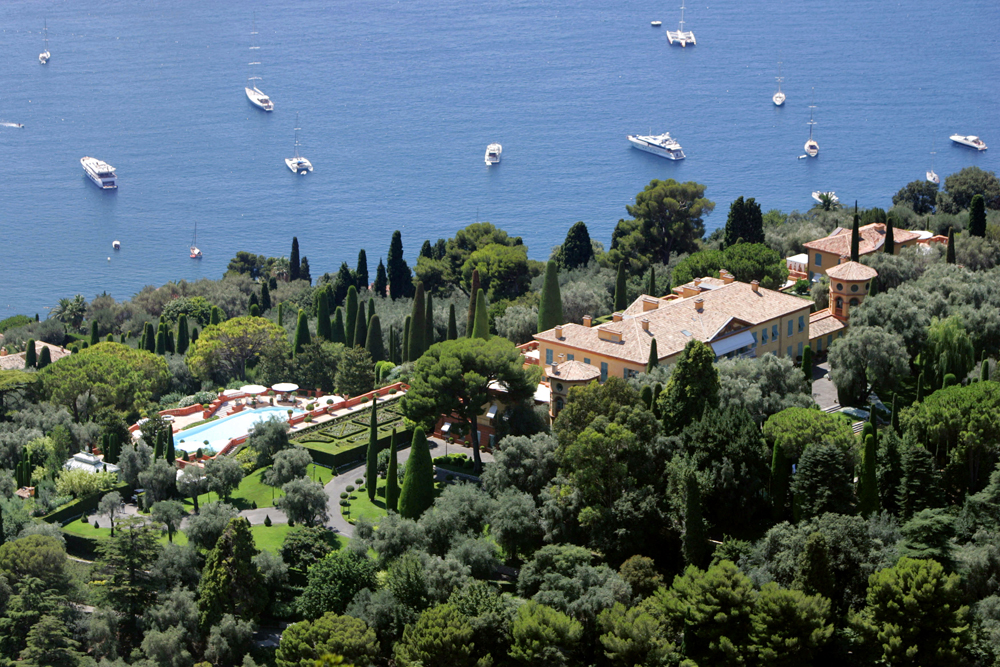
pixel 493 152
pixel 681 36
pixel 298 164
pixel 44 56
pixel 932 177
pixel 661 144
pixel 100 172
pixel 254 93
pixel 970 141
pixel 811 147
pixel 779 97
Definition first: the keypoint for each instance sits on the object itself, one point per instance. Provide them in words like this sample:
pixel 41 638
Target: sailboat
pixel 195 251
pixel 298 164
pixel 779 97
pixel 931 176
pixel 681 36
pixel 254 94
pixel 44 56
pixel 812 148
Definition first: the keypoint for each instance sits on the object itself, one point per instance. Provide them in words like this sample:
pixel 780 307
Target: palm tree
pixel 71 311
pixel 828 203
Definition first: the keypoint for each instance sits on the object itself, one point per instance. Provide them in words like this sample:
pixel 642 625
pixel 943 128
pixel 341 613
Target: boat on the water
pixel 660 144
pixel 44 56
pixel 116 244
pixel 195 252
pixel 931 176
pixel 779 97
pixel 811 147
pixel 971 141
pixel 253 91
pixel 681 36
pixel 493 152
pixel 818 196
pixel 298 164
pixel 656 24
pixel 100 172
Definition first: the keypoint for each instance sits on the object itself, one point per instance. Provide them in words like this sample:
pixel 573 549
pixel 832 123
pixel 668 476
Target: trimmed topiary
pixel 267 520
pixel 350 488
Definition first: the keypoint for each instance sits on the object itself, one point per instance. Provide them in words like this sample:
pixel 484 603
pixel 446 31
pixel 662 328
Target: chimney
pixel 650 304
pixel 587 319
pixel 844 259
pixel 726 276
pixel 559 331
pixel 645 324
pixel 699 304
pixel 697 281
pixel 755 286
pixel 3 352
pixel 616 317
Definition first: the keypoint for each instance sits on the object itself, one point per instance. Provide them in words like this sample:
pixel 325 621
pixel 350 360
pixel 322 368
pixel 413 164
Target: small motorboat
pixel 656 24
pixel 116 244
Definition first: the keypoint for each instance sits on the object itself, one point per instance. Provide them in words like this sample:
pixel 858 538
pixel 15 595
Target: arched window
pixel 559 405
pixel 854 302
pixel 840 303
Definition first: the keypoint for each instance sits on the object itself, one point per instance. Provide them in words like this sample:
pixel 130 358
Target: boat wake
pixel 6 124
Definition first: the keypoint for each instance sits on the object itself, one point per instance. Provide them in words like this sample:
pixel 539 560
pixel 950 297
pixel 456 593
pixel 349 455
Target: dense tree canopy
pixel 224 350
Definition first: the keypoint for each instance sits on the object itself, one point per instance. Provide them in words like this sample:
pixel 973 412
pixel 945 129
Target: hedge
pixel 356 454
pixel 83 505
pixel 80 546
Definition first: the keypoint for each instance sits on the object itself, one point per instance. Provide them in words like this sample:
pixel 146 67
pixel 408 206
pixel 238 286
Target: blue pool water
pixel 218 433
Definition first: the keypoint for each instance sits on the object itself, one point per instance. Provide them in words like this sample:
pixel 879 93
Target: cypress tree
pixel 405 343
pixel 182 334
pixel 429 322
pixel 654 359
pixel 735 224
pixel 695 533
pixel 481 327
pixel 293 260
pixel 921 485
pixel 351 314
pixel 920 386
pixel 158 448
pixel 855 237
pixel 161 342
pixel 418 324
pixel 576 250
pixel 550 310
pixel 194 335
pixel 895 413
pixel 170 340
pixel 304 271
pixel 361 326
pixel 950 255
pixel 397 271
pixel 657 390
pixel 868 484
pixel 337 331
pixel 373 343
pixel 427 250
pixel 371 310
pixel 781 469
pixel 362 271
pixel 873 287
pixel 977 216
pixel 452 323
pixel 265 297
pixel 216 317
pixel 95 335
pixel 254 310
pixel 621 297
pixel 44 359
pixel 149 338
pixel 392 477
pixel 30 354
pixel 417 493
pixel 371 469
pixel 807 364
pixel 381 282
pixel 281 314
pixel 470 321
pixel 171 452
pixel 646 396
pixel 392 346
pixel 114 447
pixel 121 338
pixel 651 283
pixel 302 337
pixel 254 301
pixel 984 368
pixel 324 329
pixel 889 246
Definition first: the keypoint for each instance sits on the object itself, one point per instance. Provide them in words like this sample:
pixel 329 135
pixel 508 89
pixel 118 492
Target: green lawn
pixel 361 506
pixel 82 529
pixel 253 489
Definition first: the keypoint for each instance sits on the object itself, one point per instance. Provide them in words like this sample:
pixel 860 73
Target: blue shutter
pixel 548 356
pixel 790 327
pixel 604 370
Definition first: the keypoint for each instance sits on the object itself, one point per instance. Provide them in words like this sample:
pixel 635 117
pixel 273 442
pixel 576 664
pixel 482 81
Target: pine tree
pixel 392 477
pixel 977 216
pixel 293 260
pixel 265 297
pixel 254 310
pixel 695 543
pixel 950 255
pixel 550 310
pixel 429 334
pixel 30 354
pixel 452 323
pixel 807 364
pixel 651 283
pixel 654 359
pixel 397 271
pixel 868 484
pixel 337 332
pixel 815 571
pixel 216 317
pixel 417 494
pixel 856 237
pixel 470 321
pixel 371 470
pixel 921 485
pixel 351 314
pixel 577 250
pixel 381 281
pixel 324 329
pixel 362 270
pixel 302 337
pixel 781 469
pixel 281 314
pixel 405 343
pixel 161 342
pixel 45 358
pixel 182 334
pixel 889 246
pixel 361 326
pixel 171 451
pixel 418 324
pixel 95 335
pixel 481 327
pixel 373 343
pixel 231 582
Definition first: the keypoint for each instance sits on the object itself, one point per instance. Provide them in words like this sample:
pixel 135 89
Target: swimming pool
pixel 218 433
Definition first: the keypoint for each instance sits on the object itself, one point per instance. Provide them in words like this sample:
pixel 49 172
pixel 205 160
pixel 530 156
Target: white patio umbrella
pixel 253 389
pixel 285 387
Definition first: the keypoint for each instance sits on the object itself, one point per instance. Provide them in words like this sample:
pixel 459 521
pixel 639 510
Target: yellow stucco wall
pixel 830 260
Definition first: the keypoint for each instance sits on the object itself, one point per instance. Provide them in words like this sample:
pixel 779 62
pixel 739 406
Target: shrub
pixel 343 495
pixel 344 503
pixel 448 478
pixel 310 406
pixel 267 520
pixel 350 488
pixel 96 525
pixel 329 401
pixel 84 519
pixel 253 505
pixel 392 391
pixel 359 481
pixel 308 419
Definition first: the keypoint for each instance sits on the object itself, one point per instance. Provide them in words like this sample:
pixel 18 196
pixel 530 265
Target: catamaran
pixel 812 148
pixel 298 164
pixel 195 252
pixel 254 94
pixel 779 97
pixel 44 56
pixel 681 36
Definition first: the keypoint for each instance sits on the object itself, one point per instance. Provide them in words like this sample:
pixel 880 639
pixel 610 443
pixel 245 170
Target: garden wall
pixel 81 506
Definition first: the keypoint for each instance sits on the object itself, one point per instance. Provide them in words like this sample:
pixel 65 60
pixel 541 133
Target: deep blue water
pixel 398 101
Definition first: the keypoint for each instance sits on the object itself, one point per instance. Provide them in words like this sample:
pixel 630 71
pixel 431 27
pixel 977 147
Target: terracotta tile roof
pixel 16 361
pixel 872 238
pixel 572 371
pixel 676 321
pixel 851 271
pixel 823 323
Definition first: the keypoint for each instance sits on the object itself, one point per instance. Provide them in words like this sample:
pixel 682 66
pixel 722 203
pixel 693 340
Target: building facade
pixel 825 253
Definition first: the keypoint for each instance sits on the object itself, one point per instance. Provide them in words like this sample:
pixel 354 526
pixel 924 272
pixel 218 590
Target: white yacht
pixel 493 152
pixel 681 36
pixel 116 244
pixel 812 148
pixel 44 56
pixel 100 172
pixel 656 24
pixel 661 144
pixel 254 93
pixel 779 97
pixel 931 176
pixel 970 141
pixel 298 164
pixel 194 250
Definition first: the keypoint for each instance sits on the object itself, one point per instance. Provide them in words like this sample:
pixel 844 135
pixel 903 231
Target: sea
pixel 397 102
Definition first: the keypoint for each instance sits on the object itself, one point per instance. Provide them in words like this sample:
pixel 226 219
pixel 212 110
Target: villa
pixel 16 361
pixel 89 462
pixel 826 253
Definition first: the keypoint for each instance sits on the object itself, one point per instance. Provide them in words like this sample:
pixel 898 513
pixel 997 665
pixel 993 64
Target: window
pixel 774 332
pixel 840 287
pixel 629 373
pixel 800 349
pixel 802 323
pixel 819 259
pixel 854 302
pixel 811 274
pixel 604 371
pixel 559 405
pixel 840 304
pixel 829 340
pixel 569 357
pixel 854 288
pixel 819 345
pixel 548 356
pixel 789 351
pixel 763 336
pixel 586 361
pixel 754 334
pixel 790 327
